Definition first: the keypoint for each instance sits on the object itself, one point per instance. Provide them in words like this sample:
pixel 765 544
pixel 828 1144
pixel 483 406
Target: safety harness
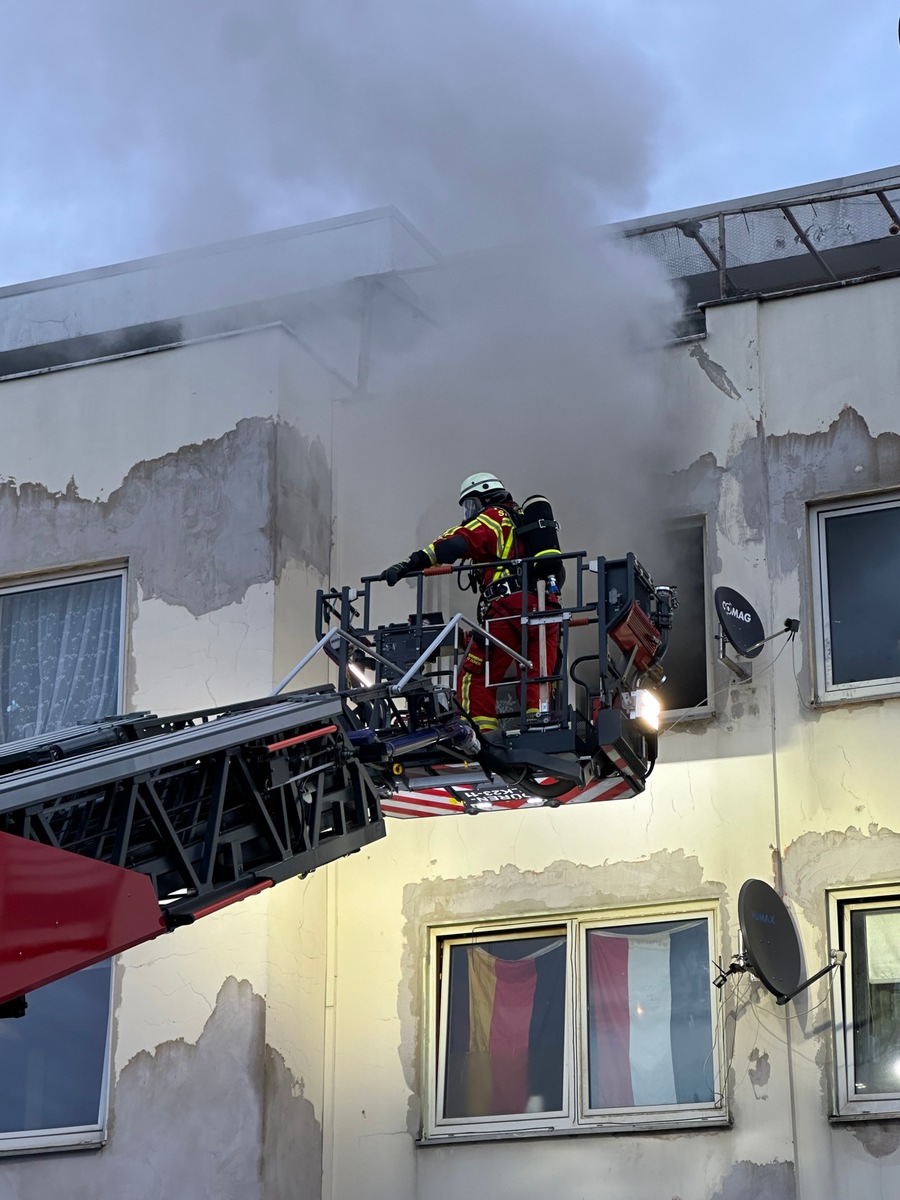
pixel 508 586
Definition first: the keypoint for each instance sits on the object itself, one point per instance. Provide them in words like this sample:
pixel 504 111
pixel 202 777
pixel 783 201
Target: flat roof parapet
pixel 154 296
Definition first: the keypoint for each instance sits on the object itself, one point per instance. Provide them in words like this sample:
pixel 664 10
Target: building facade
pixel 243 437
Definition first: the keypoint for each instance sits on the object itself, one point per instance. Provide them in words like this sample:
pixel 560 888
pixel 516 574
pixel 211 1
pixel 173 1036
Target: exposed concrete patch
pixel 698 490
pixel 714 372
pixel 773 479
pixel 187 1120
pixel 879 1139
pixel 798 468
pixel 761 1070
pixel 292 1137
pixel 843 460
pixel 196 525
pixel 758 1181
pixel 817 861
pixel 560 887
pixel 302 509
pixel 223 1119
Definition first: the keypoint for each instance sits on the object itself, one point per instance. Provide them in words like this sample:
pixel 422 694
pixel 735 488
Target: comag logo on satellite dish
pixel 728 607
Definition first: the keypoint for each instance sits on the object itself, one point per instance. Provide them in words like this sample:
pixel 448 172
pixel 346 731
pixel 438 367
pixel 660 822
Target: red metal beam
pixel 60 912
pixel 310 736
pixel 218 905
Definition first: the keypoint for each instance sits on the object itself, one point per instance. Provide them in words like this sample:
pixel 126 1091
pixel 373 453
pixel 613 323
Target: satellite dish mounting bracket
pixel 742 673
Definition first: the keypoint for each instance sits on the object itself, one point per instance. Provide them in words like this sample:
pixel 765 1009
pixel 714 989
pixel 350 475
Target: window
pixel 61 656
pixel 590 1023
pixel 54 1065
pixel 866 1002
pixel 856 561
pixel 682 562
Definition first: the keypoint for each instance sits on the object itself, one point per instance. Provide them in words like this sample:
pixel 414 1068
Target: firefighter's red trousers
pixel 489 663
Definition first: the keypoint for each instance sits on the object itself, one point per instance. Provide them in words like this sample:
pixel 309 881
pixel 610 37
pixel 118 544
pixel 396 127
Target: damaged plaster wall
pixel 758 1181
pixel 770 783
pixel 705 823
pixel 106 417
pixel 197 525
pixel 296 1012
pixel 196 530
pixel 191 524
pixel 209 529
pixel 796 400
pixel 590 858
pixel 168 1137
pixel 826 426
pixel 275 945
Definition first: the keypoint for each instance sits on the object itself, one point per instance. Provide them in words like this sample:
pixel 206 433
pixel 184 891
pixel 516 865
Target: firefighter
pixel 488 535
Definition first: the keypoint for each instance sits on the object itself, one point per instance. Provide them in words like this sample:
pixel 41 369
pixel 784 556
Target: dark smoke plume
pixel 141 127
pixel 138 127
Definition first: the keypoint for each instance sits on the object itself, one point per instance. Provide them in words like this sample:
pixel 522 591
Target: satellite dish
pixel 739 621
pixel 769 946
pixel 770 938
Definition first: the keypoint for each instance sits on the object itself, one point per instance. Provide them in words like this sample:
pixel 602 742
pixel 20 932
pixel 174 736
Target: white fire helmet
pixel 475 491
pixel 482 483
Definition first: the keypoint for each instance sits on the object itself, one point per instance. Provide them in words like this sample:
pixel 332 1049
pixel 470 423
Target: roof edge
pixel 866 179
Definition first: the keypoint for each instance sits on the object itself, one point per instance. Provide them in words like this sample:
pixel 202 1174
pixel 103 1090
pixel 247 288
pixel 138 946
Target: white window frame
pixel 92 1134
pixel 847 1105
pixel 88 576
pixel 826 690
pixel 575 1117
pixel 74 1137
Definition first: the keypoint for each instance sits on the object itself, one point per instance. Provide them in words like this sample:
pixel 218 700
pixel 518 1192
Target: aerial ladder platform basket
pixel 117 831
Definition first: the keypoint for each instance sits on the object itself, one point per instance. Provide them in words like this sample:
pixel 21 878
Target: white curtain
pixel 59 656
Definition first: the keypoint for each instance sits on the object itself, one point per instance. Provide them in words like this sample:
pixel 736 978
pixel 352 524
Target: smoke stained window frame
pixel 857 995
pixel 63 1043
pixel 838 537
pixel 696 707
pixel 581 1110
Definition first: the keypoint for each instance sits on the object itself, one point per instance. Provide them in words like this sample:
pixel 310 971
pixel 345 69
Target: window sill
pixel 843 700
pixel 692 718
pixel 51 1143
pixel 718 1120
pixel 853 1118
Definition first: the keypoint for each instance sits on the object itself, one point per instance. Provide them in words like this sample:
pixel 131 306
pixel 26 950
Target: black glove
pixel 417 561
pixel 395 573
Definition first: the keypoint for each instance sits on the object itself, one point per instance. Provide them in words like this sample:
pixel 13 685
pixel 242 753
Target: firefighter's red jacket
pixel 489 537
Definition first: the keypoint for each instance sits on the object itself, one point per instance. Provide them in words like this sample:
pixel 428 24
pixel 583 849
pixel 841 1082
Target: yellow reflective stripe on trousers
pixel 486 724
pixel 465 689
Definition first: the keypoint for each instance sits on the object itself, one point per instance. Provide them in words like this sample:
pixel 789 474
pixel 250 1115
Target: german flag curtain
pixel 649 1015
pixel 506 1028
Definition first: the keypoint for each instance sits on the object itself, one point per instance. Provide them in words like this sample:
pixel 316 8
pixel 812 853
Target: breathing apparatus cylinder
pixel 539 535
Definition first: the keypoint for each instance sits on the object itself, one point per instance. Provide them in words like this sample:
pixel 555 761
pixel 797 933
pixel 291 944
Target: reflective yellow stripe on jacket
pixel 490 536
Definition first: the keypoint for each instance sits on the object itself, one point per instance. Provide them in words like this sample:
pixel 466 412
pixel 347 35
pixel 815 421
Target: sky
pixel 132 129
